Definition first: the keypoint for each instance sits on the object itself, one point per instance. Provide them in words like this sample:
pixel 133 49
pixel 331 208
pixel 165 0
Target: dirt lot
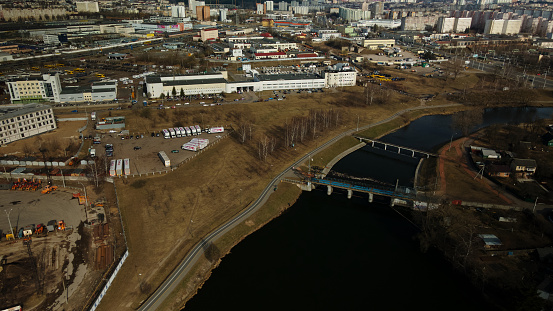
pixel 146 159
pixel 54 254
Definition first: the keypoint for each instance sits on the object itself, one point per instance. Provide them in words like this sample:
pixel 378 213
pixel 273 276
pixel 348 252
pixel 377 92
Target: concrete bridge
pixel 398 194
pixel 385 146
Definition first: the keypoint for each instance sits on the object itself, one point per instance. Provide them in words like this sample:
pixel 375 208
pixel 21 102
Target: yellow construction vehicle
pixel 49 189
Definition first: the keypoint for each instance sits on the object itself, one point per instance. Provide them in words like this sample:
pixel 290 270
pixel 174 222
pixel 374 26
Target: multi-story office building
pixel 35 88
pixel 30 120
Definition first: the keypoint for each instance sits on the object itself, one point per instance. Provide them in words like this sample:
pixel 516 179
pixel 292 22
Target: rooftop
pixel 156 79
pixel 289 76
pixel 7 113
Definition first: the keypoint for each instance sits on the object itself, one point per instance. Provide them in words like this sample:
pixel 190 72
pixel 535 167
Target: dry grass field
pixel 165 215
pixel 55 141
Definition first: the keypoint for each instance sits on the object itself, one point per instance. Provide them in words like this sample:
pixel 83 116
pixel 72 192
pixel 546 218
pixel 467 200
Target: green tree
pixel 174 92
pixel 182 93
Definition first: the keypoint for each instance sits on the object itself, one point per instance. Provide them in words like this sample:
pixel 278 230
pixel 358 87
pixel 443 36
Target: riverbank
pixel 175 202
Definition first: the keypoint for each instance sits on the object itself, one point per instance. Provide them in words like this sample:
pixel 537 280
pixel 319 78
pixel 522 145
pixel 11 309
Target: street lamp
pixel 85 201
pixel 9 221
pixel 450 141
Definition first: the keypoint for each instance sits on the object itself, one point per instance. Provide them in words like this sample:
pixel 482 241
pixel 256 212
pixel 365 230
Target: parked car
pixel 137 147
pixel 174 151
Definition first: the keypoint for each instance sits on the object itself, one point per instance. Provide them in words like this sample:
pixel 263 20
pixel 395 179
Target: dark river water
pixel 331 253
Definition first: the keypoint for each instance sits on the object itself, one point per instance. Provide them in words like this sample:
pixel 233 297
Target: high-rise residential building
pixel 269 6
pixel 223 15
pixel 20 123
pixel 203 13
pixel 283 6
pixel 377 8
pixel 87 6
pixel 261 8
pixel 178 11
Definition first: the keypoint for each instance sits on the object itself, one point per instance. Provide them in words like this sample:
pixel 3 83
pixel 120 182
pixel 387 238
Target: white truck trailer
pixel 112 168
pixel 172 133
pixel 119 167
pixel 127 165
pixel 215 130
pixel 166 134
pixel 164 158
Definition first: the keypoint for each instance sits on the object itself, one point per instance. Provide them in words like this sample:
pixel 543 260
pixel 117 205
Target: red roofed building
pixel 300 55
pixel 274 55
pixel 267 35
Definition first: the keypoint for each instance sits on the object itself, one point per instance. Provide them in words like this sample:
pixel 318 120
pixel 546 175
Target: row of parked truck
pixel 189 131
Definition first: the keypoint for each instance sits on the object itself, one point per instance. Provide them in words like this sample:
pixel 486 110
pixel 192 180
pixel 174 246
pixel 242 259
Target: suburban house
pixel 523 168
pixel 499 170
pixel 491 241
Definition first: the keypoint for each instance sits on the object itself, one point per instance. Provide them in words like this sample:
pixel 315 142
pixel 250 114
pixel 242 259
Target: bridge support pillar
pixel 372 144
pixel 350 193
pixel 392 202
pixel 329 190
pixel 413 154
pixel 370 198
pixel 399 150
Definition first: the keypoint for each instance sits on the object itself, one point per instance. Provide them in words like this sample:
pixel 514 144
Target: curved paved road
pixel 192 257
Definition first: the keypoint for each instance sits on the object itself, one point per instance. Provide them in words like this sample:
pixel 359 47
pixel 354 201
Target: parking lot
pixel 35 208
pixel 145 159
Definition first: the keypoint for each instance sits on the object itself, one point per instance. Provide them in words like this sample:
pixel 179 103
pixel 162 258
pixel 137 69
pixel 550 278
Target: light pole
pixel 85 201
pixel 450 141
pixel 9 221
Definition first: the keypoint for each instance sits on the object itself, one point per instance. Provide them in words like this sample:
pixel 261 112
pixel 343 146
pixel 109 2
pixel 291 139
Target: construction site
pixel 57 243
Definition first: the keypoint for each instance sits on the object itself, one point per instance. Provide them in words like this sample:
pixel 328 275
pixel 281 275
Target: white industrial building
pixel 35 88
pixel 197 84
pixel 290 81
pixel 98 92
pixel 25 121
pixel 216 83
pixel 373 44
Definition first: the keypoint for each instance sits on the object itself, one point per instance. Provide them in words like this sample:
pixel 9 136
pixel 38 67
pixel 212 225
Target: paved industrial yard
pixel 35 208
pixel 146 160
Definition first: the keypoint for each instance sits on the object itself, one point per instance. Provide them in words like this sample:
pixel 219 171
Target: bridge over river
pixel 396 148
pixel 397 195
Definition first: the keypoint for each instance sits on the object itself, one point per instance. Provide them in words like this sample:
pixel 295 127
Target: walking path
pixel 159 296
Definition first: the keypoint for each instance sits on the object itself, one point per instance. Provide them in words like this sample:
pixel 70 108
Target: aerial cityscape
pixel 304 155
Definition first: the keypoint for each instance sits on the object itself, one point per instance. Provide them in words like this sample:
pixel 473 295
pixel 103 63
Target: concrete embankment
pixel 339 157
